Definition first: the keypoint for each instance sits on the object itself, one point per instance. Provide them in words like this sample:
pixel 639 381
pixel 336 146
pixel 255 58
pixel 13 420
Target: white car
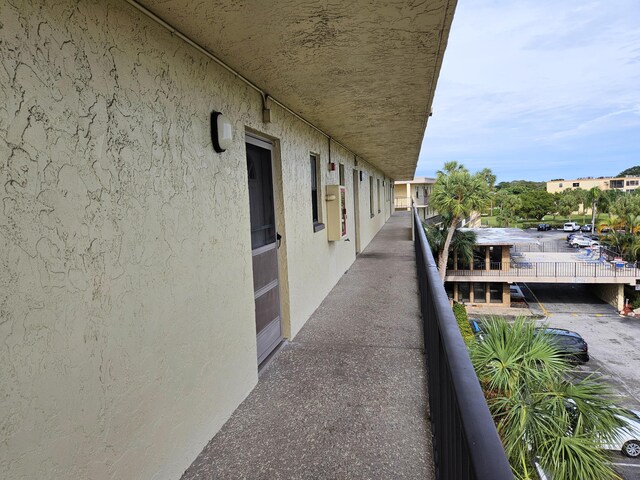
pixel 579 241
pixel 571 227
pixel 627 439
pixel 586 242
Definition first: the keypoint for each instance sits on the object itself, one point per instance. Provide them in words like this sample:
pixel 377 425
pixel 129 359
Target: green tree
pixel 593 197
pixel 520 186
pixel 581 195
pixel 608 198
pixel 462 242
pixel 538 412
pixel 626 205
pixel 569 202
pixel 509 205
pixel 536 204
pixel 632 171
pixel 489 177
pixel 456 193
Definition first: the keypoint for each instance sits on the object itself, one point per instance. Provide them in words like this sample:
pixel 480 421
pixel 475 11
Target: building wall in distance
pixel 606 183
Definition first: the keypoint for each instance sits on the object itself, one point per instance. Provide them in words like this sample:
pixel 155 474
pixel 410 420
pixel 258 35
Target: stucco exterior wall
pixel 126 298
pixel 612 294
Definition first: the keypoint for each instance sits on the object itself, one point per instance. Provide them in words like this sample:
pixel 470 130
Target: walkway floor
pixel 346 399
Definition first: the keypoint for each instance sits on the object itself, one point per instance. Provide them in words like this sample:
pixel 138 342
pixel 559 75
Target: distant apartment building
pixel 625 184
pixel 417 190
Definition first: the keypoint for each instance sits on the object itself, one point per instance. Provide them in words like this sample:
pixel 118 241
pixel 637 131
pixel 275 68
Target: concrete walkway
pixel 347 398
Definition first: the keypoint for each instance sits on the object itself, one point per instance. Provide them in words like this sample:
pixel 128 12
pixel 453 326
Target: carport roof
pixel 501 236
pixel 363 71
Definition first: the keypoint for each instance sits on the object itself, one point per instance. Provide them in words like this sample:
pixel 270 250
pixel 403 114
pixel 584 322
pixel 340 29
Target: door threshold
pixel 265 363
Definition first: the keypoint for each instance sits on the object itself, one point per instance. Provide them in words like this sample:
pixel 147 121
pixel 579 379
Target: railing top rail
pixel 579 267
pixel 486 452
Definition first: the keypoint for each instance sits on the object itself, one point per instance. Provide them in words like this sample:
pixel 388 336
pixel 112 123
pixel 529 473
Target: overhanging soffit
pixel 364 71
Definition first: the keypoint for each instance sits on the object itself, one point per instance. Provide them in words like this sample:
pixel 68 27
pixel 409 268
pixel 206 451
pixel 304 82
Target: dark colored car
pixel 570 236
pixel 543 227
pixel 571 344
pixel 586 228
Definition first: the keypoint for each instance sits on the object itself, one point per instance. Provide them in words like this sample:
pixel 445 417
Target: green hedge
pixel 460 312
pixel 535 225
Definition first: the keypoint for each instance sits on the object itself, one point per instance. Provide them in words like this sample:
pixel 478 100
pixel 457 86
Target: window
pixel 464 292
pixel 560 185
pixel 495 258
pixel 480 292
pixel 616 184
pixel 479 259
pixel 378 194
pixel 632 183
pixel 576 184
pixel 495 292
pixel 315 184
pixel 371 196
pixel 341 170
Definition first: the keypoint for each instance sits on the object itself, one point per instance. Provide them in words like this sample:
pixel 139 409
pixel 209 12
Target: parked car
pixel 605 229
pixel 543 227
pixel 570 344
pixel 570 236
pixel 516 293
pixel 571 227
pixel 579 242
pixel 588 228
pixel 627 438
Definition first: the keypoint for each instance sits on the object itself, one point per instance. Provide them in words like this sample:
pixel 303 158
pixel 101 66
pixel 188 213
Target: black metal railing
pixel 465 441
pixel 551 247
pixel 584 269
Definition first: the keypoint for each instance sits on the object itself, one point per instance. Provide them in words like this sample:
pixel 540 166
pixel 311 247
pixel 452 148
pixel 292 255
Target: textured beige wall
pixel 127 331
pixel 612 294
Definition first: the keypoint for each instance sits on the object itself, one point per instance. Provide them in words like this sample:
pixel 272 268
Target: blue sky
pixel 538 89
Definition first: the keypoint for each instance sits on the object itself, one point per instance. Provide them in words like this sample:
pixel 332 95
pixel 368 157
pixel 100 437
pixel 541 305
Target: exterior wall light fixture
pixel 221 132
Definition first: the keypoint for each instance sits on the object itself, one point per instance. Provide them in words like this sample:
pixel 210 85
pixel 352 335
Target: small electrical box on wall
pixel 336 212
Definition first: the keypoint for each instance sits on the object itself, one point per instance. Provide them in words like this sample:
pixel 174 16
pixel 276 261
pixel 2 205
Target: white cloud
pixel 522 77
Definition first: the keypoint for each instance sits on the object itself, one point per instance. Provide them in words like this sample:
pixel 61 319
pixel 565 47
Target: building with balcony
pixel 184 184
pixel 503 256
pixel 623 184
pixel 414 192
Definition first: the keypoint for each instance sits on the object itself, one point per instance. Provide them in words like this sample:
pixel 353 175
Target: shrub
pixel 460 312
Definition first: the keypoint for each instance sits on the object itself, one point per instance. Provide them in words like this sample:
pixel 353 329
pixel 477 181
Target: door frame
pixel 272 144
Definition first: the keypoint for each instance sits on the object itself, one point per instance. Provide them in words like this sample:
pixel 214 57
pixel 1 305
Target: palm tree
pixel 631 222
pixel 462 243
pixel 593 196
pixel 539 413
pixel 456 193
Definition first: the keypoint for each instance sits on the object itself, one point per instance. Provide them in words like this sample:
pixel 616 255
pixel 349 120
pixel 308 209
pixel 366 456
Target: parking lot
pixel 614 344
